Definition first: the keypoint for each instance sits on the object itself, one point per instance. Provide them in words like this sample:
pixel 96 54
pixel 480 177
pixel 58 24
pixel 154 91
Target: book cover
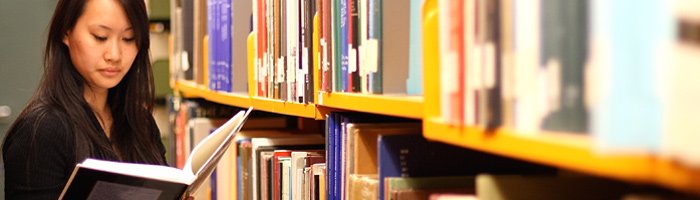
pixel 363 186
pixel 344 45
pixel 627 109
pixel 245 182
pixel 390 75
pixel 354 44
pixel 564 53
pixel 277 170
pixel 109 179
pixel 451 35
pixel 241 12
pixel 318 184
pixel 414 82
pixel 200 30
pixel 309 70
pixel 679 111
pixel 188 22
pixel 374 60
pixel 490 91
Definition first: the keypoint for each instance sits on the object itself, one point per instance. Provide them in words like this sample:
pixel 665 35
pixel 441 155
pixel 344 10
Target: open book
pixel 99 179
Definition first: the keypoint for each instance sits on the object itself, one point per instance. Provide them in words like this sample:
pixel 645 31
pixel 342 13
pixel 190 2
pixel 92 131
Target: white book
pixel 99 179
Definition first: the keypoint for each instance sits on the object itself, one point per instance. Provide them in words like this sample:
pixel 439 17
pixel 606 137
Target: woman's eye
pixel 100 38
pixel 128 39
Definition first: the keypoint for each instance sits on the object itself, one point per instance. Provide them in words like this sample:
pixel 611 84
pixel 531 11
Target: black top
pixel 38 167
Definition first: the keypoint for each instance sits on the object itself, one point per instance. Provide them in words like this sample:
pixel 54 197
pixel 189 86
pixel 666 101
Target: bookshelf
pixel 568 151
pixel 573 152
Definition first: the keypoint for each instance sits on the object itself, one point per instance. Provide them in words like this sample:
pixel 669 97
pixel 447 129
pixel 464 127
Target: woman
pixel 95 99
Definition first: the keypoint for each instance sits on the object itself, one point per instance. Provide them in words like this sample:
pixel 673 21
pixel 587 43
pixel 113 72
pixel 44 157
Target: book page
pixel 140 170
pixel 207 153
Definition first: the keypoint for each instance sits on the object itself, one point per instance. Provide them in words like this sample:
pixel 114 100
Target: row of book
pixel 345 46
pixel 341 39
pixel 573 67
pixel 363 151
pixel 209 40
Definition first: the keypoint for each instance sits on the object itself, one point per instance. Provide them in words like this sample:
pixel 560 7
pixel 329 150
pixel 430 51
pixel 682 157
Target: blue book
pixel 225 43
pixel 413 156
pixel 212 186
pixel 330 156
pixel 629 115
pixel 345 57
pixel 414 83
pixel 210 31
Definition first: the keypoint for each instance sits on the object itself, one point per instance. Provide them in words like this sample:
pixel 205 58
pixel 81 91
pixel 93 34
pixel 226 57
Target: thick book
pixel 98 179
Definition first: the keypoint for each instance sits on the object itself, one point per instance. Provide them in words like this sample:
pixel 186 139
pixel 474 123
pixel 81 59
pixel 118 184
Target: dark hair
pixel 61 90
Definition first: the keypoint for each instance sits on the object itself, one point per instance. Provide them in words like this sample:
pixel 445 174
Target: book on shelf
pixel 262 152
pixel 626 105
pixel 337 145
pixel 498 187
pixel 681 129
pixel 199 31
pixel 405 188
pixel 414 82
pixel 363 186
pixel 564 59
pixel 414 156
pixel 244 154
pixel 98 179
pixel 241 12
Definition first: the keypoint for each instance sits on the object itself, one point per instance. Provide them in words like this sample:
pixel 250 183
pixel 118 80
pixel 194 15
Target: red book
pixel 276 169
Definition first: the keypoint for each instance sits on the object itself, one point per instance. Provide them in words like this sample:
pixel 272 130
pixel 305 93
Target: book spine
pixel 375 35
pixel 354 41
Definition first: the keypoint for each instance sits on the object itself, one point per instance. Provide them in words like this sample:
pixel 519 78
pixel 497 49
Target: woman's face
pixel 101 44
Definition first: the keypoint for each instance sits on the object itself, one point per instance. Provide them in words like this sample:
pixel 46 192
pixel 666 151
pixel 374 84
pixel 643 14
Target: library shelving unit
pixel 573 152
pixel 564 151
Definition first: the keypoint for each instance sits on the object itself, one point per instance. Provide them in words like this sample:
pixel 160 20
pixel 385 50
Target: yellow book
pixel 431 59
pixel 317 56
pixel 252 81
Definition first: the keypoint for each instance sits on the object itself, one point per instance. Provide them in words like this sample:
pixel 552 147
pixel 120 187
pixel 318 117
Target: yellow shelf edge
pixel 285 108
pixel 408 106
pixel 567 152
pixel 190 89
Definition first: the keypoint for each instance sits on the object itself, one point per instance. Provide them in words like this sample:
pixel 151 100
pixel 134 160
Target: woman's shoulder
pixel 43 121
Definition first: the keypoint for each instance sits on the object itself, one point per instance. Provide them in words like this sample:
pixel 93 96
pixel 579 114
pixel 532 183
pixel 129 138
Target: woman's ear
pixel 65 39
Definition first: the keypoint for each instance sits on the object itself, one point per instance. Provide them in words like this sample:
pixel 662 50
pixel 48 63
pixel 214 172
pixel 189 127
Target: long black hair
pixel 131 101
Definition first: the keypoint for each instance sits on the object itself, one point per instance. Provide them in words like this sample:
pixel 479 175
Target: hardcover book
pixel 98 179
